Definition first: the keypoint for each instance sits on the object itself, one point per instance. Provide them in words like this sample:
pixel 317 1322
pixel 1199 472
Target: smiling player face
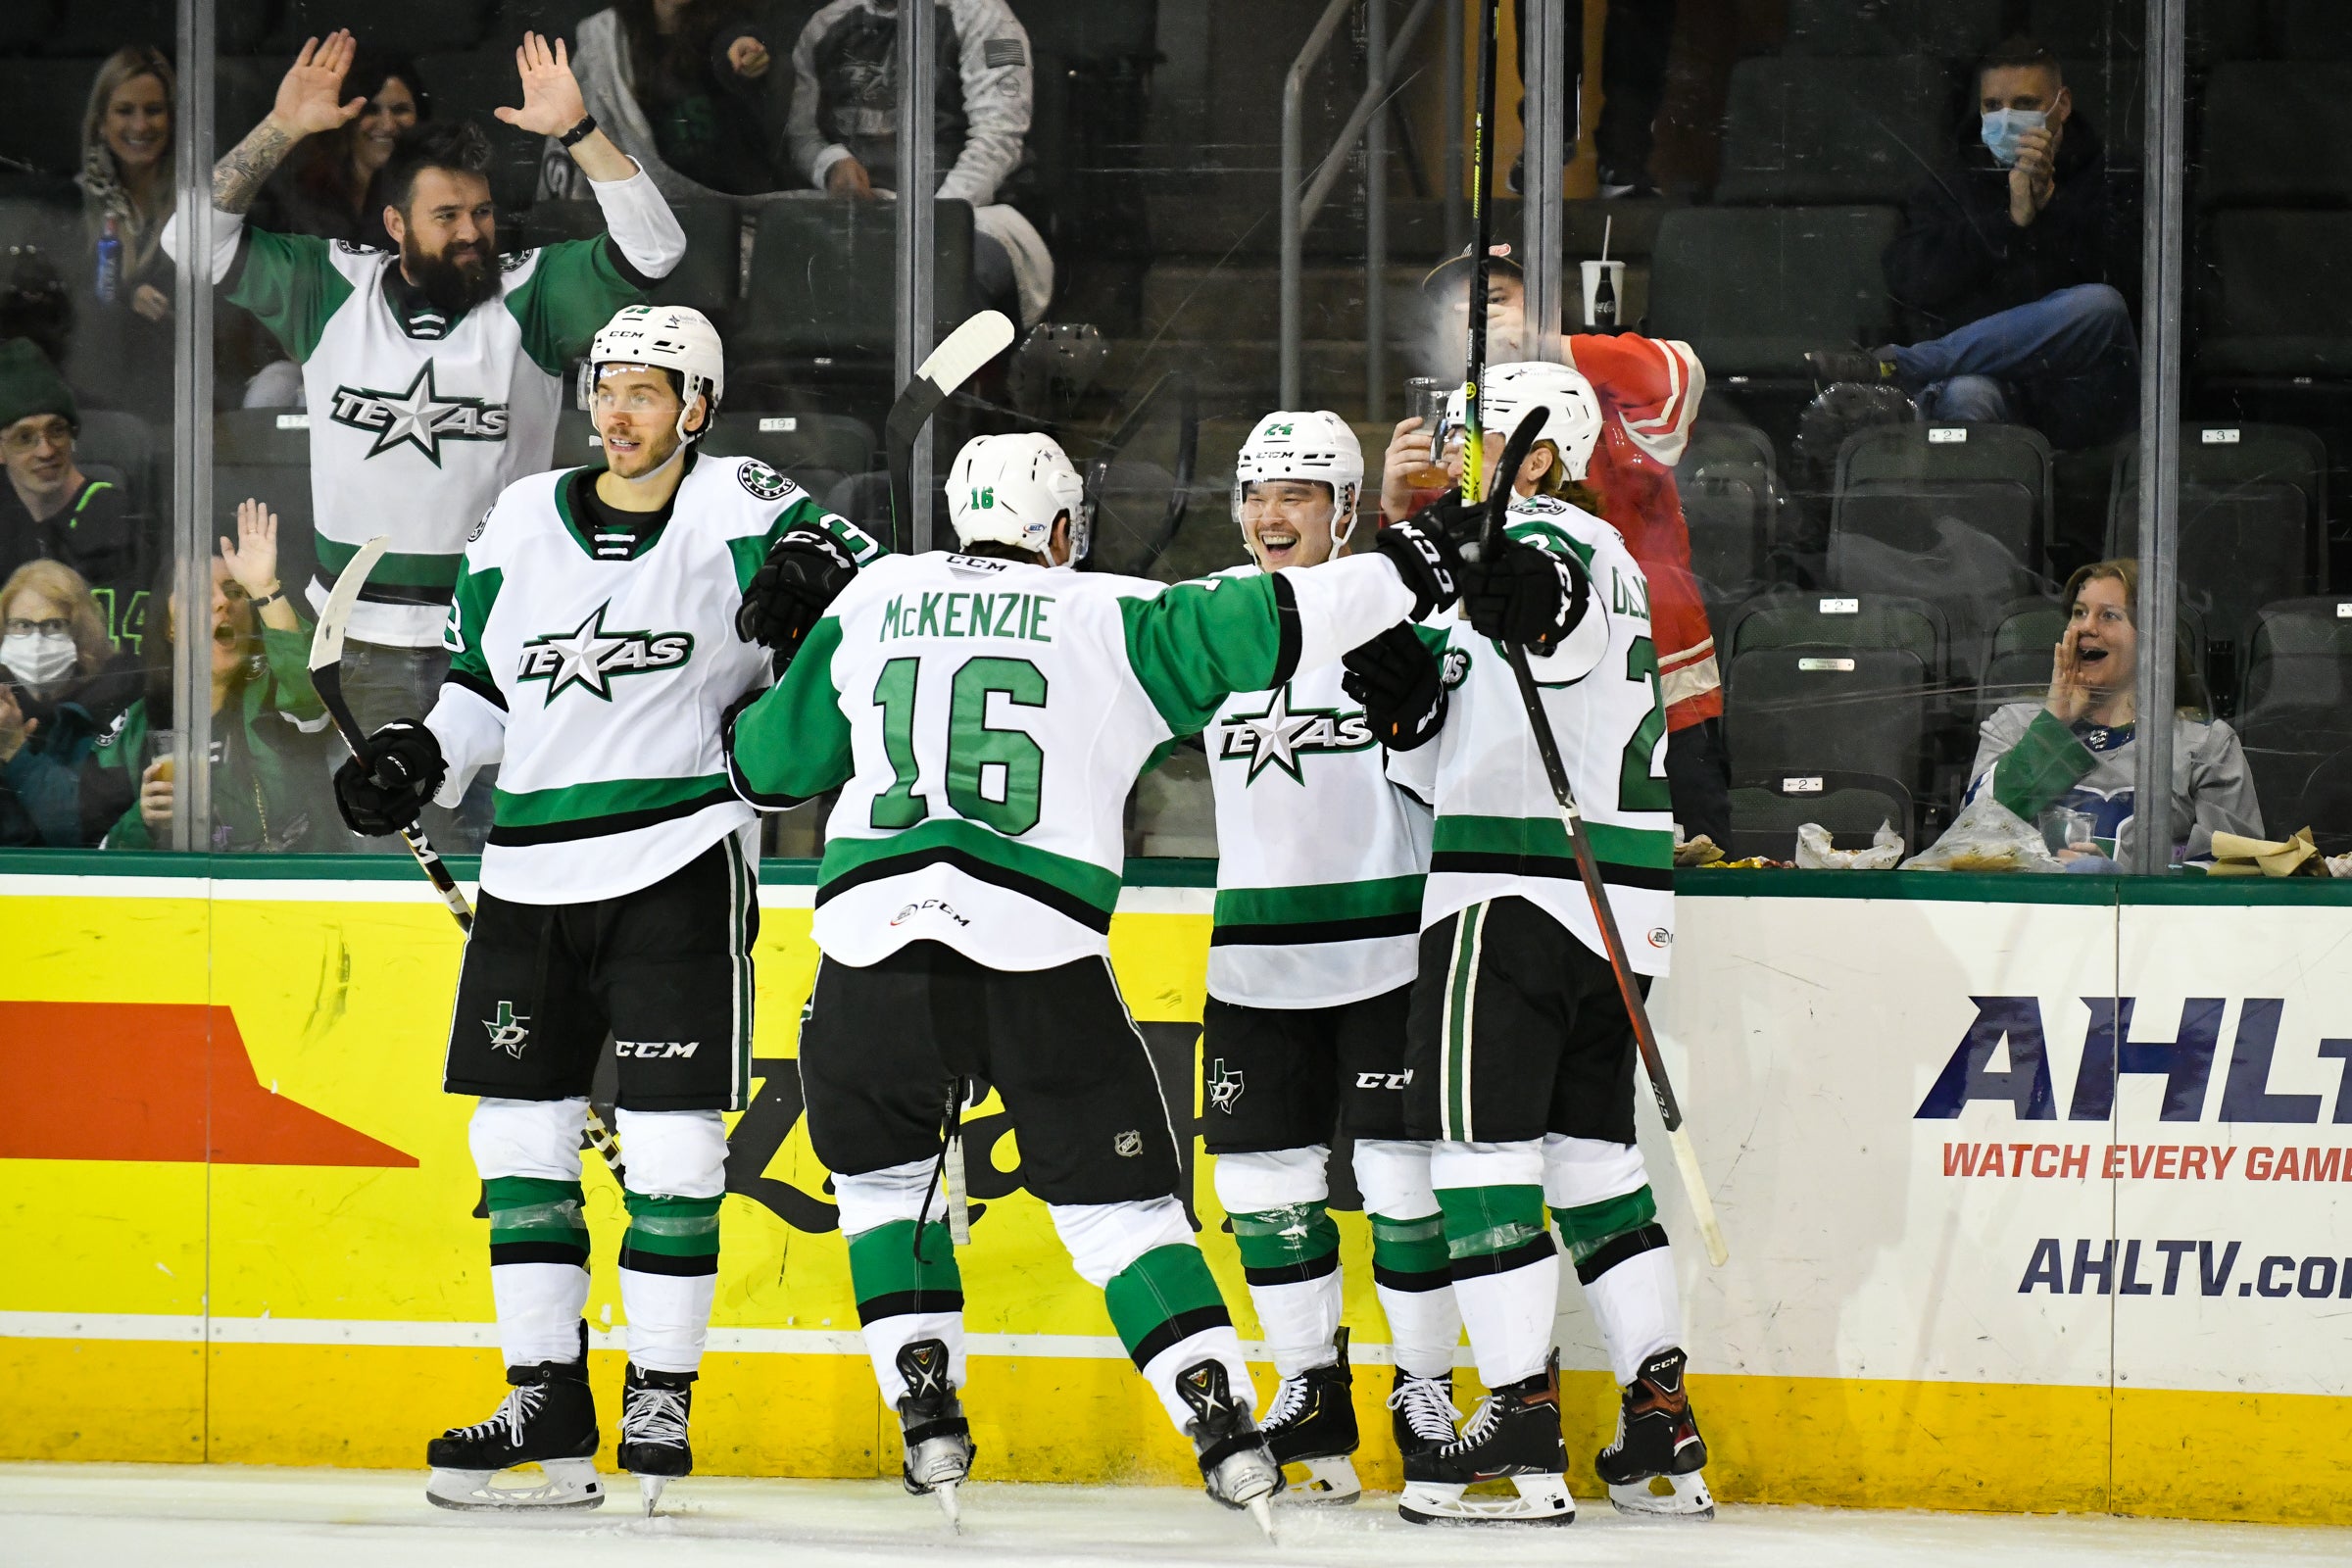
pixel 636 412
pixel 1287 523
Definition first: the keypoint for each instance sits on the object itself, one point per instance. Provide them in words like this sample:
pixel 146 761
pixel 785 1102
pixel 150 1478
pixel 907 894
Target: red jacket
pixel 1650 390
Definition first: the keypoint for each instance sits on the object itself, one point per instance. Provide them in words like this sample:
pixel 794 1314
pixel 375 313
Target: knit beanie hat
pixel 30 384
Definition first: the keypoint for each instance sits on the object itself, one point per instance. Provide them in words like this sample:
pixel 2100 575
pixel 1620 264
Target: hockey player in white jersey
pixel 594 652
pixel 985 712
pixel 1310 967
pixel 1520 1048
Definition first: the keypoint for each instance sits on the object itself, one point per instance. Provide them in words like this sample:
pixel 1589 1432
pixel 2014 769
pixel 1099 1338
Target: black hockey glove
pixel 1527 596
pixel 408 768
pixel 1401 686
pixel 790 592
pixel 1427 553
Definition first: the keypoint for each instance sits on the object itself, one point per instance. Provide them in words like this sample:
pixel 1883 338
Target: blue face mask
pixel 2004 128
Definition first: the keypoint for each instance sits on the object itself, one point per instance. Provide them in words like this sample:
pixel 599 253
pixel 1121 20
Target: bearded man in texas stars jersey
pixel 601 634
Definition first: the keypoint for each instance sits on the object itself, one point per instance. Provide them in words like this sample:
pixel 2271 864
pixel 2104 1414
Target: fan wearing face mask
pixel 61 685
pixel 2013 270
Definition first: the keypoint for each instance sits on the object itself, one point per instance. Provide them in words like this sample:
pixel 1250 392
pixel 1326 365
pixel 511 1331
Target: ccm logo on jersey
pixel 644 1049
pixel 591 657
pixel 928 907
pixel 1384 1080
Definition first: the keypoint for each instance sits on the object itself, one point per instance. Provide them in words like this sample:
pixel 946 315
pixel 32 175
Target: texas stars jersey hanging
pixel 1319 856
pixel 594 670
pixel 1498 832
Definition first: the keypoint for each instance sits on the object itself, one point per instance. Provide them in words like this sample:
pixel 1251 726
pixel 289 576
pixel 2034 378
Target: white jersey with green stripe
pixel 417 420
pixel 1319 856
pixel 596 668
pixel 987 719
pixel 1498 832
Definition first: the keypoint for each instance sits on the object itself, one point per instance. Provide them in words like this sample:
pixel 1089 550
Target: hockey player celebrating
pixel 593 652
pixel 432 376
pixel 1520 1051
pixel 988 711
pixel 1310 966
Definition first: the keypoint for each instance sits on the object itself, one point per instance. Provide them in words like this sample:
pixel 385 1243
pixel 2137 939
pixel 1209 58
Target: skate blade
pixel 1535 1501
pixel 1330 1483
pixel 944 1493
pixel 562 1483
pixel 1263 1514
pixel 650 1488
pixel 1690 1500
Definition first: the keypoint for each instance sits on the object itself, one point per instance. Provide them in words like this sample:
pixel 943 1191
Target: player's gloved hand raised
pixel 1426 554
pixel 1401 686
pixel 408 768
pixel 1527 596
pixel 790 592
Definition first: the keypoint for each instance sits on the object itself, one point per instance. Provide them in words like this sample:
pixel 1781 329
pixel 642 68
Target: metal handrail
pixel 1301 202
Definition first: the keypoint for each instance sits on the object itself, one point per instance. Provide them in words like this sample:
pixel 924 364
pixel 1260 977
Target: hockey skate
pixel 1657 1439
pixel 1234 1462
pixel 1423 1416
pixel 654 1407
pixel 1313 1423
pixel 938 1440
pixel 549 1418
pixel 1515 1436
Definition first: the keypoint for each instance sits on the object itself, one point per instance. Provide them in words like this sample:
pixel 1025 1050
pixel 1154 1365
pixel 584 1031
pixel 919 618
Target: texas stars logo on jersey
pixel 419 416
pixel 592 659
pixel 1282 735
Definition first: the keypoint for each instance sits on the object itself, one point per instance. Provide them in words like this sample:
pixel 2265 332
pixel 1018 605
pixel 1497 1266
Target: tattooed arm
pixel 308 100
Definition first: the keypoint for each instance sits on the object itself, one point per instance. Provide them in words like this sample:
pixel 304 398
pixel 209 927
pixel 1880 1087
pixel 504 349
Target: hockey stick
pixel 1588 870
pixel 977 341
pixel 326 678
pixel 1482 259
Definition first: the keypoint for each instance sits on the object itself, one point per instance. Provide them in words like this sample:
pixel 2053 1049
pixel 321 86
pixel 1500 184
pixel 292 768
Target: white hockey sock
pixel 1424 1329
pixel 1289 1249
pixel 1300 1321
pixel 1506 1271
pixel 1510 1317
pixel 528 1153
pixel 670 1256
pixel 539 1308
pixel 1638 1308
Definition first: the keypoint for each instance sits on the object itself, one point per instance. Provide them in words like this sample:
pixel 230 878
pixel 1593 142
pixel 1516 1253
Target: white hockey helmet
pixel 1009 489
pixel 663 337
pixel 1510 390
pixel 1314 445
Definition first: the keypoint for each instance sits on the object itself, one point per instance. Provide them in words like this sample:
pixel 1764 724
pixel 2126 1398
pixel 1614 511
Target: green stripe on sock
pixel 675 1227
pixel 1284 1238
pixel 883 1261
pixel 1162 1285
pixel 1587 1229
pixel 525 1208
pixel 1482 1221
pixel 1409 1245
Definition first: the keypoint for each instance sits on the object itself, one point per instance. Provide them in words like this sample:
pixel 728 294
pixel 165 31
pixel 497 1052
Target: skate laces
pixel 1289 1399
pixel 1428 1406
pixel 1483 1422
pixel 654 1415
pixel 520 1405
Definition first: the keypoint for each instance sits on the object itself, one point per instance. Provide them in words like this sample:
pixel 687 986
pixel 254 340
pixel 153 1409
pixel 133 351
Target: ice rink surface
pixel 187 1516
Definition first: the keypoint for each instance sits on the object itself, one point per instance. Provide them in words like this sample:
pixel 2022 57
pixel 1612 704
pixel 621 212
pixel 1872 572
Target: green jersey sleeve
pixel 288 654
pixel 794 742
pixel 571 293
pixel 1196 644
pixel 803 511
pixel 290 282
pixel 461 634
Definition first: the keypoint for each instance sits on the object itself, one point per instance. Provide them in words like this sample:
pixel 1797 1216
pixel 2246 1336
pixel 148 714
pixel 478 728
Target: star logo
pixel 418 416
pixel 1282 735
pixel 507 1032
pixel 1224 1087
pixel 592 659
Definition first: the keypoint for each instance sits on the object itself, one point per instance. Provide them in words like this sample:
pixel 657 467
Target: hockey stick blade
pixel 326 642
pixel 980 339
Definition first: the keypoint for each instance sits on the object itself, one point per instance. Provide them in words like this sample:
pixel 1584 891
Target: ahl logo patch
pixel 418 416
pixel 592 659
pixel 762 481
pixel 1224 1088
pixel 508 1032
pixel 1282 735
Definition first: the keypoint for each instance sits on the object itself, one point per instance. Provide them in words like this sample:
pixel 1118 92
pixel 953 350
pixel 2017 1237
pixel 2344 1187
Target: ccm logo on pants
pixel 1384 1080
pixel 659 1049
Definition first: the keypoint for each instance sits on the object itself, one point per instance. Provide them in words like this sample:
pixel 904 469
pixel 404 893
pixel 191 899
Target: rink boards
pixel 2037 1190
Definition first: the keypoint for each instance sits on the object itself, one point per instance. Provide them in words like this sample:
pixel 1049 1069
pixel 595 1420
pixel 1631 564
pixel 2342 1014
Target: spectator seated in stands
pixel 2012 271
pixel 125 346
pixel 273 751
pixel 328 186
pixel 49 509
pixel 1649 391
pixel 844 131
pixel 685 87
pixel 62 686
pixel 2075 750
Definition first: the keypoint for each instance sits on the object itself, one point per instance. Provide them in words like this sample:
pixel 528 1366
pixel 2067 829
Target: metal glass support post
pixel 192 438
pixel 917 286
pixel 1376 212
pixel 1542 223
pixel 2160 345
pixel 1295 214
pixel 1458 218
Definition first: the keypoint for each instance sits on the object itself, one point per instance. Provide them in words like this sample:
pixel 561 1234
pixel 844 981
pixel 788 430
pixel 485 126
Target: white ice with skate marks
pixel 191 1516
